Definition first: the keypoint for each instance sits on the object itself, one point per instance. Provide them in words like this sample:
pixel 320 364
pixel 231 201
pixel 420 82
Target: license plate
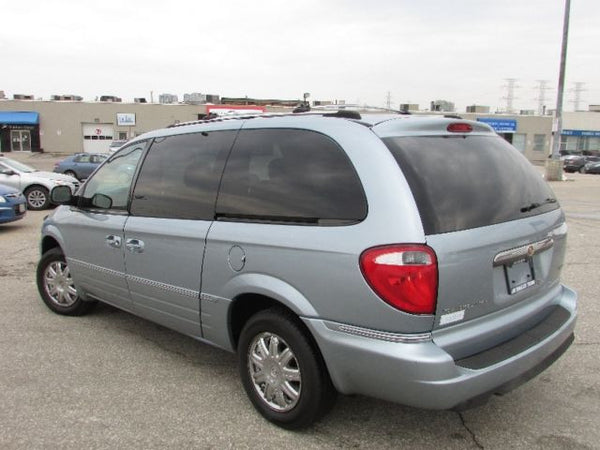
pixel 519 275
pixel 21 207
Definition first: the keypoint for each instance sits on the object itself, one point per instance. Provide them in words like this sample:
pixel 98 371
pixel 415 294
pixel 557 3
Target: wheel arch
pixel 36 185
pixel 246 305
pixel 48 243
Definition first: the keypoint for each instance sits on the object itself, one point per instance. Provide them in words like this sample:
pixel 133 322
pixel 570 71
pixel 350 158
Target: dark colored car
pixel 578 164
pixel 80 165
pixel 12 204
pixel 592 167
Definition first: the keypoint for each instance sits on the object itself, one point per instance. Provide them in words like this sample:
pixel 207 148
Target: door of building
pixel 20 140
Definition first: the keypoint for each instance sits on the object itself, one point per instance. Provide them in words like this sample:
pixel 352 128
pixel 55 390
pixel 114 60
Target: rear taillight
pixel 459 127
pixel 405 276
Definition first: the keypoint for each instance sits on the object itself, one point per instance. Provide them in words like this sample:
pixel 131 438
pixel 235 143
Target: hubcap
pixel 59 284
pixel 36 199
pixel 274 371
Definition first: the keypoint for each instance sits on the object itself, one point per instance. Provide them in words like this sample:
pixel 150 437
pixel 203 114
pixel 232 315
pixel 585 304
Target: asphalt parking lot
pixel 111 380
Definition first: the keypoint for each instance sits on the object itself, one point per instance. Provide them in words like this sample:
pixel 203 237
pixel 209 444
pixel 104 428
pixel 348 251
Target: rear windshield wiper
pixel 535 205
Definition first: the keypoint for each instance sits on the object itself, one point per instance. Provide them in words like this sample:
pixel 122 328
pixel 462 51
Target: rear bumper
pixel 422 374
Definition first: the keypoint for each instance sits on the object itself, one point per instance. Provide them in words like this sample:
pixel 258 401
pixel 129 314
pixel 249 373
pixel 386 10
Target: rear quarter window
pixel 290 176
pixel 463 182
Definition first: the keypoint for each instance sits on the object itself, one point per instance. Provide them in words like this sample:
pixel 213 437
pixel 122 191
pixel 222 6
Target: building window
pixel 592 144
pixel 122 135
pixel 568 143
pixel 539 142
pixel 518 141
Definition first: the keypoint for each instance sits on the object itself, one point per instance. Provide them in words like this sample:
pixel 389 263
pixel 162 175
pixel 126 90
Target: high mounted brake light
pixel 405 276
pixel 459 127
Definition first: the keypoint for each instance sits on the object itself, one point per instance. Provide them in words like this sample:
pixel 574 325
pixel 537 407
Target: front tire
pixel 72 174
pixel 56 287
pixel 37 197
pixel 282 372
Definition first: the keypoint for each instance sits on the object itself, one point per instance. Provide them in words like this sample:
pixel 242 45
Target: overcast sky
pixel 355 50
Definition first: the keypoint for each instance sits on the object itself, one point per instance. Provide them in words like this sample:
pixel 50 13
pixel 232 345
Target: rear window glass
pixel 290 176
pixel 469 182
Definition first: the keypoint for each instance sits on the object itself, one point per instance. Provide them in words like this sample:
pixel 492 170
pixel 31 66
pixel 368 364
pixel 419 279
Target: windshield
pixel 463 182
pixel 16 165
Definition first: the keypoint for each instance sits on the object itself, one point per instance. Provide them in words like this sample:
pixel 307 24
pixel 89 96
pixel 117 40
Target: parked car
pixel 592 167
pixel 333 252
pixel 35 184
pixel 578 164
pixel 12 204
pixel 80 165
pixel 116 145
pixel 569 153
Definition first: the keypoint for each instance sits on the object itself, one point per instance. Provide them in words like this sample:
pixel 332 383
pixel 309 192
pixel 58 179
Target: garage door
pixel 97 137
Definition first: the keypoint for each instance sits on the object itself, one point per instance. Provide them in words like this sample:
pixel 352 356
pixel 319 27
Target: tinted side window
pixel 180 176
pixel 113 180
pixel 286 175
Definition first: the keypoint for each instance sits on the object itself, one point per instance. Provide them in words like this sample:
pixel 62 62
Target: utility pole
pixel 561 83
pixel 388 100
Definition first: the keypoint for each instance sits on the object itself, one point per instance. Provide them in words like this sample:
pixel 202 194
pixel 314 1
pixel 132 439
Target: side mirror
pixel 61 195
pixel 101 201
pixel 8 172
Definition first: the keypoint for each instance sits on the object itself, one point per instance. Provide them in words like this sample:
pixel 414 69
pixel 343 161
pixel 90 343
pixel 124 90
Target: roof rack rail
pixel 344 114
pixel 341 113
pixel 361 107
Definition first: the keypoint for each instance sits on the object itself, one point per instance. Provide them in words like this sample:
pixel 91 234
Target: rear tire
pixel 56 287
pixel 282 371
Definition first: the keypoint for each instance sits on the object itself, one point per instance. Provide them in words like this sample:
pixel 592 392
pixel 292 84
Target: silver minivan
pixel 412 259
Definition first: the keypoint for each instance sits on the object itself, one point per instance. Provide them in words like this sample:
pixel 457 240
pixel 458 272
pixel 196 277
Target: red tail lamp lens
pixel 405 276
pixel 459 127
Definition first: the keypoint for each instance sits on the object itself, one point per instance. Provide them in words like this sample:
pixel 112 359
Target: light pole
pixel 554 166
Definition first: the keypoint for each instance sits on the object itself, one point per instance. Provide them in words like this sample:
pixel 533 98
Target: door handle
pixel 113 241
pixel 134 245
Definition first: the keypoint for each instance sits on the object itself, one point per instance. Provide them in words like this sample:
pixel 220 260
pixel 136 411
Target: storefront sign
pixel 126 119
pixel 500 125
pixel 586 133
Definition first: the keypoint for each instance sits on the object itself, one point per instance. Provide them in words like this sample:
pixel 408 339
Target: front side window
pixel 113 180
pixel 180 176
pixel 290 176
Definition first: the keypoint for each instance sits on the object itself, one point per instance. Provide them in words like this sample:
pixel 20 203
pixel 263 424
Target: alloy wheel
pixel 274 371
